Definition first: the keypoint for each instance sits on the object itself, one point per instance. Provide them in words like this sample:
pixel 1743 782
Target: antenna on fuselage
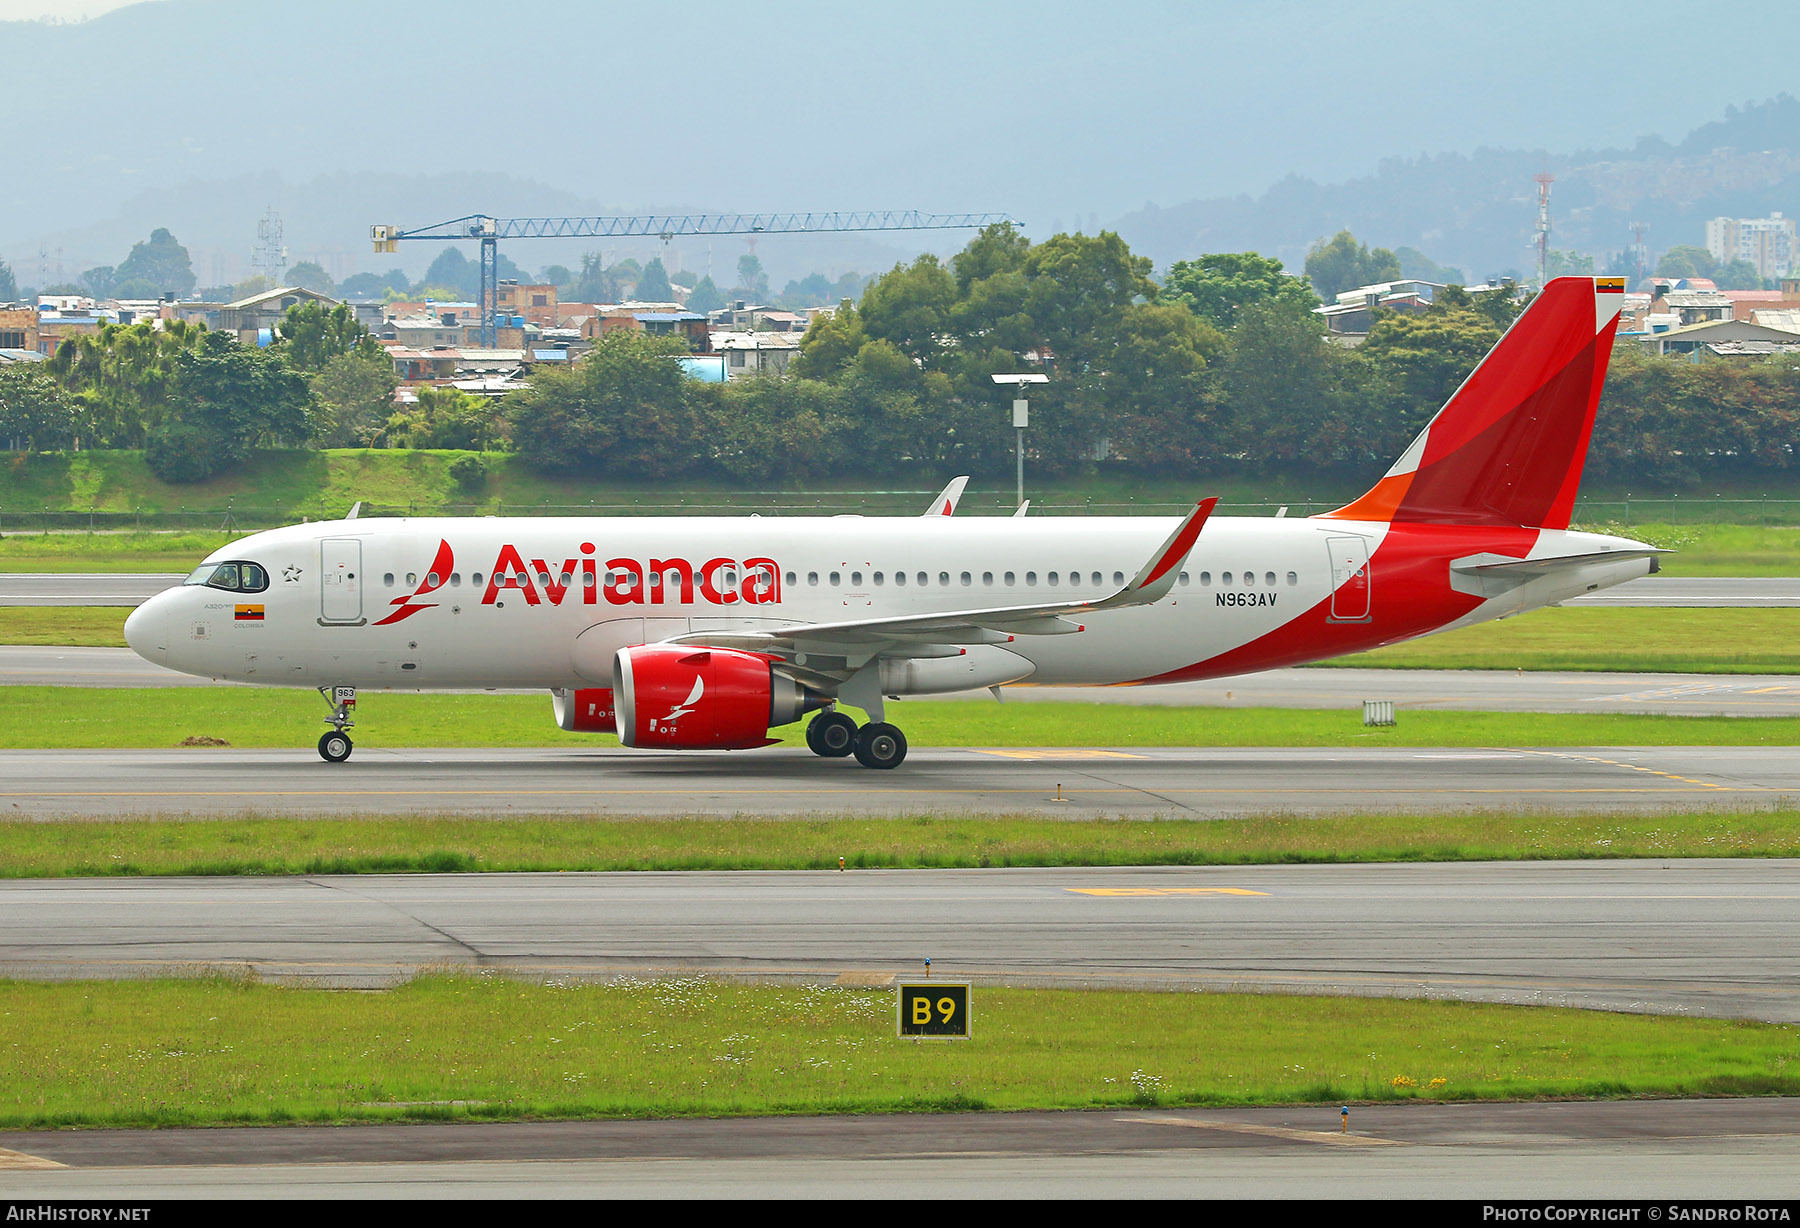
pixel 1021 509
pixel 355 510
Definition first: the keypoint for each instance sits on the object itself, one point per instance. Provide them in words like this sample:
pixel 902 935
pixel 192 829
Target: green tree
pixel 353 396
pixel 99 282
pixel 1568 264
pixel 557 275
pixel 373 285
pixel 35 410
pixel 751 279
pixel 998 248
pixel 456 271
pixel 158 266
pixel 653 286
pixel 705 296
pixel 1425 357
pixel 227 400
pixel 1290 397
pixel 910 307
pixel 9 286
pixel 121 377
pixel 1217 286
pixel 1738 275
pixel 1416 264
pixel 311 275
pixel 1684 260
pixel 624 409
pixel 312 334
pixel 446 418
pixel 1341 263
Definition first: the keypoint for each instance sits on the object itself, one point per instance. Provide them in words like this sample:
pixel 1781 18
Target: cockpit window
pixel 232 577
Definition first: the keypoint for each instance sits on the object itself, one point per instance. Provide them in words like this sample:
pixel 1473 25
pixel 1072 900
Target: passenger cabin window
pixel 1293 578
pixel 232 577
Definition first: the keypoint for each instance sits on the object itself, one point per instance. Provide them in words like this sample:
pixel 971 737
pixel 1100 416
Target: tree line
pixel 1218 366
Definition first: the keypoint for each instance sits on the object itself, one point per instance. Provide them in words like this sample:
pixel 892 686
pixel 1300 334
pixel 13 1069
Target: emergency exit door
pixel 340 580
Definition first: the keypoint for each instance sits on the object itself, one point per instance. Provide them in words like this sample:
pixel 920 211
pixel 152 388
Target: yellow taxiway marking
pixel 1687 780
pixel 1162 891
pixel 1070 752
pixel 18 1159
pixel 1239 1127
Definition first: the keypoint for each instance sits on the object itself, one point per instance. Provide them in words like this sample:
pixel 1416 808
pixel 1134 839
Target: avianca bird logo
pixel 437 577
pixel 685 706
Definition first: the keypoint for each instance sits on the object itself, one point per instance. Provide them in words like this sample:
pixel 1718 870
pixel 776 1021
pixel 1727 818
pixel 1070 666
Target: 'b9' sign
pixel 935 1008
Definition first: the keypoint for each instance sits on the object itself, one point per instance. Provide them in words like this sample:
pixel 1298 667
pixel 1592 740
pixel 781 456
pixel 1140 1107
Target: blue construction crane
pixel 490 230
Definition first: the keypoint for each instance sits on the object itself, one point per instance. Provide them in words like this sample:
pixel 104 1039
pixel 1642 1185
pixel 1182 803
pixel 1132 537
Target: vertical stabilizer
pixel 1509 446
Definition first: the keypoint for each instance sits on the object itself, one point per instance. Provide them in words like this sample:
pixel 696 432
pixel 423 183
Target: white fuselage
pixel 357 602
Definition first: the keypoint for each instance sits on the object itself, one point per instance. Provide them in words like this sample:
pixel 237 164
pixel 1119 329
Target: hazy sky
pixel 60 10
pixel 1055 111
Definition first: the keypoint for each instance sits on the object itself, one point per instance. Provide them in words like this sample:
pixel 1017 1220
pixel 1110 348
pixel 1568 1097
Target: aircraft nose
pixel 147 629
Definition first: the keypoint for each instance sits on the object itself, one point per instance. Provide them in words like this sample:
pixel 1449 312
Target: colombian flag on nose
pixel 248 614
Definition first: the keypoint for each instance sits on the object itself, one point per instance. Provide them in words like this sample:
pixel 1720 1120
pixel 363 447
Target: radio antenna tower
pixel 1543 179
pixel 270 256
pixel 1640 255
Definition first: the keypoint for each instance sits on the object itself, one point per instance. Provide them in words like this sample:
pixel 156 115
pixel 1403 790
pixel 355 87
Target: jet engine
pixel 588 710
pixel 677 698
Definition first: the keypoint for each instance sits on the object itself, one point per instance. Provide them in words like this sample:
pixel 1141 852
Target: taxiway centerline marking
pixel 1242 1127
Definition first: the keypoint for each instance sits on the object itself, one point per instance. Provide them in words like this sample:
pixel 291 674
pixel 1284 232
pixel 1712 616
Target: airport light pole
pixel 1021 418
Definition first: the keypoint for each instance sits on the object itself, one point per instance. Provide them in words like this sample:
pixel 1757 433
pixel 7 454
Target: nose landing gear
pixel 335 746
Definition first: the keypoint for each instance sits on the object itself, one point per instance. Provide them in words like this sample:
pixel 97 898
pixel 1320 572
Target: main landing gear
pixel 335 746
pixel 877 744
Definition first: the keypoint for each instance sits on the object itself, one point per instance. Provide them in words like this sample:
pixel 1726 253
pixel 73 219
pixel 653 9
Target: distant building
pixel 1726 338
pixel 1770 243
pixel 537 303
pixel 1350 318
pixel 18 328
pixel 751 353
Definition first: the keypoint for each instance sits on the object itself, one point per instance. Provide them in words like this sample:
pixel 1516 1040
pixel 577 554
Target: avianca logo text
pixel 441 566
pixel 655 582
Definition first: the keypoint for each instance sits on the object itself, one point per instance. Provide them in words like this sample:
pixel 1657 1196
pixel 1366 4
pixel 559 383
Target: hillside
pixel 1478 211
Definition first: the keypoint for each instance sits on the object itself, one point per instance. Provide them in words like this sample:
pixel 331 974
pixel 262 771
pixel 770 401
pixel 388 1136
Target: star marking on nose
pixel 290 575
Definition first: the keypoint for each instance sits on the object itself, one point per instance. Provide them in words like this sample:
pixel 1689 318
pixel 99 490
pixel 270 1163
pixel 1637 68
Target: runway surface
pixel 1475 690
pixel 1063 782
pixel 132 589
pixel 1703 937
pixel 1624 1150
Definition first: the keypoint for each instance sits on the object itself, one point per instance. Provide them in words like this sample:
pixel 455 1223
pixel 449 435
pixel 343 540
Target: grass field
pixel 1681 641
pixel 33 718
pixel 215 1051
pixel 376 844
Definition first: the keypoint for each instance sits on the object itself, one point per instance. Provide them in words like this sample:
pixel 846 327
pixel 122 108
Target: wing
pixel 856 642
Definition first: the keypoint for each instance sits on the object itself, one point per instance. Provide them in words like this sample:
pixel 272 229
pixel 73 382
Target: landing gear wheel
pixel 880 745
pixel 831 734
pixel 335 747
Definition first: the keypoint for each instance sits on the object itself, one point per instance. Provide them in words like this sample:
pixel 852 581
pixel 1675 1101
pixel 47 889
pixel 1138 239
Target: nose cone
pixel 147 629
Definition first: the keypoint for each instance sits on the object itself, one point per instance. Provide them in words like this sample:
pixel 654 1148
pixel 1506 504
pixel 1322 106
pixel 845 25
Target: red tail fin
pixel 1509 446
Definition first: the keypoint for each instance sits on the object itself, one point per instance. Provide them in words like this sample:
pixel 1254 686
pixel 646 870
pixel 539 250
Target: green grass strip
pixel 1745 640
pixel 34 718
pixel 218 1051
pixel 369 844
pixel 68 626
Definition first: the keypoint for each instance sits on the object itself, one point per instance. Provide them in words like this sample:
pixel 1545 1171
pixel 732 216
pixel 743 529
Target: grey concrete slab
pixel 127 589
pixel 1694 1149
pixel 1072 782
pixel 1704 937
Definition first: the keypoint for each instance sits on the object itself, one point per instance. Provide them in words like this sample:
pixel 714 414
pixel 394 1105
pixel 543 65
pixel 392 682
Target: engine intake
pixel 703 698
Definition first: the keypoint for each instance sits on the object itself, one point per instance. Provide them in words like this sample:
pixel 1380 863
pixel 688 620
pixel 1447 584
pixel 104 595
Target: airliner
pixel 707 633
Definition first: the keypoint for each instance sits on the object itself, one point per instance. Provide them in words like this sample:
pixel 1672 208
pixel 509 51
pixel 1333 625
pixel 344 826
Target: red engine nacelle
pixel 703 698
pixel 589 710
